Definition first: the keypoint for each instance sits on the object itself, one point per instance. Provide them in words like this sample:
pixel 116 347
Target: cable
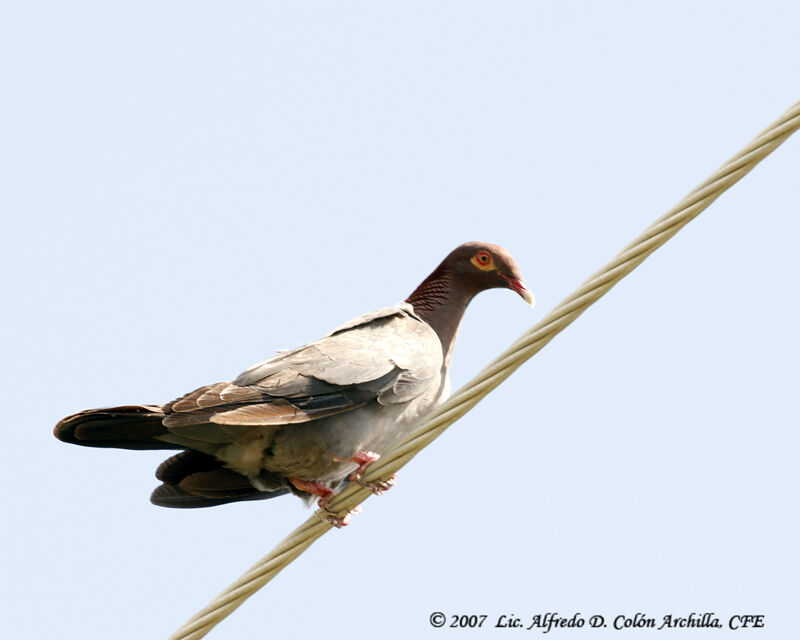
pixel 498 370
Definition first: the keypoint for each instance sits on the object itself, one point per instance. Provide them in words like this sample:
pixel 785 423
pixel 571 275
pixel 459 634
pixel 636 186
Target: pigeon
pixel 309 420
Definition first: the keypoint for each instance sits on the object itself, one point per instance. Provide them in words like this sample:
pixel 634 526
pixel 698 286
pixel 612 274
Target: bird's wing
pixel 390 356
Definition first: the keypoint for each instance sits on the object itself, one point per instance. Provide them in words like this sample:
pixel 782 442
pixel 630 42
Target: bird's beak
pixel 521 289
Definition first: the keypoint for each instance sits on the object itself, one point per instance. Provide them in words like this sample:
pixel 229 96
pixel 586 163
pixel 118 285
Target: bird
pixel 309 420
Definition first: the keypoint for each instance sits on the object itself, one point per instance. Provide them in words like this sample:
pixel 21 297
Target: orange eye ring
pixel 483 260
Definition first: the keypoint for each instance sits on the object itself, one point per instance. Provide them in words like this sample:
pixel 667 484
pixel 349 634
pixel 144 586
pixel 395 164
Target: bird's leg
pixel 316 489
pixel 324 494
pixel 363 459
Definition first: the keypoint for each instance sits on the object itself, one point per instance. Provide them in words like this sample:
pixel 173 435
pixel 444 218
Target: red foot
pixel 338 522
pixel 379 487
pixel 315 489
pixel 364 459
pixel 324 494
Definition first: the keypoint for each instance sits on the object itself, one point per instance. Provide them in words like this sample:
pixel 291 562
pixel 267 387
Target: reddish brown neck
pixel 441 303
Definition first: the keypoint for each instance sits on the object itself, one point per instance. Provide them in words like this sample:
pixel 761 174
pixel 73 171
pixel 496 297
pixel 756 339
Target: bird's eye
pixel 483 260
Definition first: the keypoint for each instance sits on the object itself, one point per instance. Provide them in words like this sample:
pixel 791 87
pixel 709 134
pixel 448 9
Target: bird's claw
pixel 378 487
pixel 364 459
pixel 334 519
pixel 326 494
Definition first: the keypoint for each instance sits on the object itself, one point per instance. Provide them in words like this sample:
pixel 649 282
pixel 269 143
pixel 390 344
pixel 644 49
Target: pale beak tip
pixel 519 287
pixel 524 292
pixel 528 297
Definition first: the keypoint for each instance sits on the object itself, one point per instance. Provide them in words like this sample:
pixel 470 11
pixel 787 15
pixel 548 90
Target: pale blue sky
pixel 189 186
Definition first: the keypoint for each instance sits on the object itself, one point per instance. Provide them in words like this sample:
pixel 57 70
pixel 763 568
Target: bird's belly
pixel 320 450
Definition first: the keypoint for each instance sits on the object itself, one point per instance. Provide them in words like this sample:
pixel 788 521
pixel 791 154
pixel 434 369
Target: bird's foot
pixel 378 487
pixel 315 489
pixel 336 520
pixel 364 459
pixel 325 494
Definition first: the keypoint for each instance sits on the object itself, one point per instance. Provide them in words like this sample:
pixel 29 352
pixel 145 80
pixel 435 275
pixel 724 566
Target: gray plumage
pixel 301 416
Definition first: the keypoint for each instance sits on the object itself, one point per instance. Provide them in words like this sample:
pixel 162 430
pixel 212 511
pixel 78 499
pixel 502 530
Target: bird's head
pixel 478 266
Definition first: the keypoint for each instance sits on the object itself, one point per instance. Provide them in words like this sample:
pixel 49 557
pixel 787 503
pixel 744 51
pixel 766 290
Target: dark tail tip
pixel 131 427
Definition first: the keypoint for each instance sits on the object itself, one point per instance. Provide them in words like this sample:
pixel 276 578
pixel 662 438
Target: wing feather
pixel 389 356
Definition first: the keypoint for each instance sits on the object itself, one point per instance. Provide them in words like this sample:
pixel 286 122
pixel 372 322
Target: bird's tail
pixel 192 479
pixel 131 427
